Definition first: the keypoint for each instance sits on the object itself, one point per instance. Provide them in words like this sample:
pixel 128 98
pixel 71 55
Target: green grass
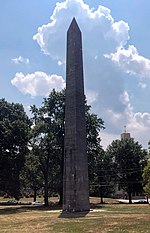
pixel 111 218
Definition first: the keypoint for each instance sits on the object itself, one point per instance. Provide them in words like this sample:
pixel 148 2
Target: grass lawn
pixel 112 218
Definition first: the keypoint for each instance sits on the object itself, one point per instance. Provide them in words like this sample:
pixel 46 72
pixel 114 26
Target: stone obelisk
pixel 75 179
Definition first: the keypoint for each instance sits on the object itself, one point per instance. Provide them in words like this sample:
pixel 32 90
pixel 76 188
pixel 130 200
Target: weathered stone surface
pixel 75 181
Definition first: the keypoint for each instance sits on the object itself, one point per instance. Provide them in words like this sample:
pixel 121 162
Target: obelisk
pixel 75 179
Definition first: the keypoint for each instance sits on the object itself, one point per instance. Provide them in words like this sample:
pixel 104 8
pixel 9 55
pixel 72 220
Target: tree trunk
pixel 61 197
pixel 147 199
pixel 129 193
pixel 46 192
pixel 35 191
pixel 102 202
pixel 101 194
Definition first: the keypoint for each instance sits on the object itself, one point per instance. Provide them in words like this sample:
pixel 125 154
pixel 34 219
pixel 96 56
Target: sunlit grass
pixel 114 218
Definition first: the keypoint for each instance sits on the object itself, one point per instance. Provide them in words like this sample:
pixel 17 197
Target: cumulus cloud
pixel 20 60
pixel 91 96
pixel 137 125
pixel 107 61
pixel 131 62
pixel 97 26
pixel 125 97
pixel 38 83
pixel 101 35
pixel 107 138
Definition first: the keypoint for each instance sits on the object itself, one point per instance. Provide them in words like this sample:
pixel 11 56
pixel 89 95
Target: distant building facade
pixel 125 135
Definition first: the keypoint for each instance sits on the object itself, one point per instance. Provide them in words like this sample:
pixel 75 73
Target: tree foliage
pixel 14 129
pixel 129 160
pixel 101 185
pixel 146 178
pixel 31 175
pixel 48 139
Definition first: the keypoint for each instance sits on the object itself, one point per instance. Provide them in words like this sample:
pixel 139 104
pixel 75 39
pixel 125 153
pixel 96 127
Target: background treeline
pixel 31 153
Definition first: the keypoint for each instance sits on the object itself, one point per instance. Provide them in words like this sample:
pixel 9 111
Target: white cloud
pixel 27 109
pixel 97 25
pixel 137 124
pixel 20 60
pixel 125 97
pixel 91 96
pixel 131 62
pixel 142 85
pixel 38 83
pixel 107 138
pixel 103 38
pixel 101 35
pixel 60 63
pixel 141 120
pixel 120 32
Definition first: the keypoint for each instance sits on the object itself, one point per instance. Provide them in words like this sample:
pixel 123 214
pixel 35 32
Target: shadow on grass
pixel 6 210
pixel 66 214
pixel 14 209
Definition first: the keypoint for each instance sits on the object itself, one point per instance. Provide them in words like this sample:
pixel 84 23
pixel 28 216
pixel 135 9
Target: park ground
pixel 110 217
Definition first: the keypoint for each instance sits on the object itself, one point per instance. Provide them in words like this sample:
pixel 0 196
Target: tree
pixel 14 135
pixel 129 159
pixel 146 178
pixel 31 175
pixel 104 177
pixel 100 174
pixel 93 127
pixel 98 161
pixel 48 139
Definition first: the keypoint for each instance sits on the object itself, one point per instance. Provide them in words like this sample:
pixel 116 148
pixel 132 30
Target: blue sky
pixel 116 36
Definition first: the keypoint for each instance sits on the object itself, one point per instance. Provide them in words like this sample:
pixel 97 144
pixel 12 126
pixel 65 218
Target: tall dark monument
pixel 75 181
